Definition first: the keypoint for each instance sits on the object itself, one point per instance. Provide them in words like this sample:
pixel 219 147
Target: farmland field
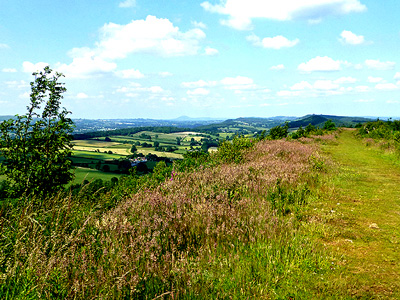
pixel 90 174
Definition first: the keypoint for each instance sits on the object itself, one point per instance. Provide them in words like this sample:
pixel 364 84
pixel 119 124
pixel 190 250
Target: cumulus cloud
pixel 350 38
pixel 9 70
pixel 199 83
pixel 241 12
pixel 379 65
pixel 152 35
pixel 85 63
pixel 278 67
pixel 165 74
pixel 130 74
pixel 303 85
pixel 29 67
pixel 325 85
pixel 238 83
pixel 386 86
pixel 17 84
pixel 349 79
pixel 374 79
pixel 397 76
pixel 276 42
pixel 288 93
pixel 319 85
pixel 199 25
pixel 127 3
pixel 211 51
pixel 82 96
pixel 322 64
pixel 198 92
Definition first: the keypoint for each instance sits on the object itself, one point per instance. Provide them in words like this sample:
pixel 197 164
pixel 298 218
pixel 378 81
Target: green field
pixel 82 174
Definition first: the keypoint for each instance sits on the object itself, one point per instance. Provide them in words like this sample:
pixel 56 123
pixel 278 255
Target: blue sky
pixel 216 58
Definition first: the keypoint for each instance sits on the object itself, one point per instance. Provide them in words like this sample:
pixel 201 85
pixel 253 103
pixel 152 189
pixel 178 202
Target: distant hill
pixel 245 125
pixel 319 120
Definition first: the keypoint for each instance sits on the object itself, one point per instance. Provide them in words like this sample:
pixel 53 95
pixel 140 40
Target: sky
pixel 163 59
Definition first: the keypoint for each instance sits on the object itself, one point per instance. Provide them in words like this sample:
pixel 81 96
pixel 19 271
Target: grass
pixel 95 155
pixel 90 174
pixel 360 213
pixel 230 230
pixel 280 223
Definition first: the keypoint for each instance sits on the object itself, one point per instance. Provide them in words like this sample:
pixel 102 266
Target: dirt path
pixel 364 218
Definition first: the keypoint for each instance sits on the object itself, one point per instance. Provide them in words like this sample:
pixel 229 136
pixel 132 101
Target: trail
pixel 365 227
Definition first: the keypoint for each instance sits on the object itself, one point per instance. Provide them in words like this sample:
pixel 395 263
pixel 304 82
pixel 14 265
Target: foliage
pixel 36 145
pixel 329 125
pixel 233 151
pixel 279 132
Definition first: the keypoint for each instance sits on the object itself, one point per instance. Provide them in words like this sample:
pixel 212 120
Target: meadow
pixel 313 218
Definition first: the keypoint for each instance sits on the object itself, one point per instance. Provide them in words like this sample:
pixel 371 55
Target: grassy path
pixel 363 218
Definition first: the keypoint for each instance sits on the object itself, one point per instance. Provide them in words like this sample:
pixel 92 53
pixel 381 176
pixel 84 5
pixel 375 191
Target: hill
pixel 319 120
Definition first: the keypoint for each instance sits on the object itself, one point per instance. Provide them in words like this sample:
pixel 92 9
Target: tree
pixel 133 149
pixel 36 145
pixel 279 132
pixel 329 125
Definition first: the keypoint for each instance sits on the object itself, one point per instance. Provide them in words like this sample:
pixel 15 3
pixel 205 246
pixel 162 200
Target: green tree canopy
pixel 36 145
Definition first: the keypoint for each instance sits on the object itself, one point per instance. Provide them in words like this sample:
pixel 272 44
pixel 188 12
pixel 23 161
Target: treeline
pixel 389 130
pixel 128 131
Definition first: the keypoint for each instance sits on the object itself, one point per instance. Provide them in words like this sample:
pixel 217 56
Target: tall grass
pixel 230 229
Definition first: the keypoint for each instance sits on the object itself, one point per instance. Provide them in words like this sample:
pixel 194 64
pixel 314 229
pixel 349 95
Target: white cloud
pixel 199 83
pixel 29 67
pixel 238 83
pixel 349 79
pixel 393 102
pixel 211 51
pixel 134 89
pixel 397 76
pixel 9 70
pixel 241 12
pixel 379 65
pixel 304 85
pixel 127 3
pixel 82 96
pixel 86 64
pixel 362 88
pixel 198 91
pixel 374 79
pixel 277 67
pixel 165 74
pixel 4 46
pixel 325 85
pixel 17 84
pixel 238 80
pixel 323 64
pixel 276 42
pixel 386 86
pixel 348 37
pixel 199 24
pixel 130 74
pixel 153 35
pixel 288 93
pixel 238 23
